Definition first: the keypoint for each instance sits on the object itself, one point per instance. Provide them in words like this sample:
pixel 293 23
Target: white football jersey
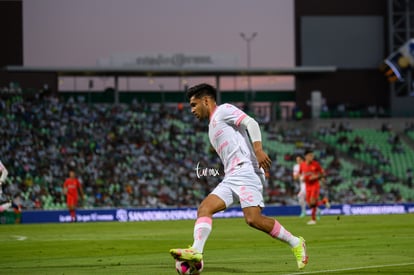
pixel 3 172
pixel 230 139
pixel 296 171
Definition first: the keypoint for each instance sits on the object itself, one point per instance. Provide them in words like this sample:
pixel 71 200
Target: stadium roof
pixel 171 72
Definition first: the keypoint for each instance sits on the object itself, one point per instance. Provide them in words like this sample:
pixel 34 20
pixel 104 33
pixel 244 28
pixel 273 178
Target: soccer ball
pixel 189 268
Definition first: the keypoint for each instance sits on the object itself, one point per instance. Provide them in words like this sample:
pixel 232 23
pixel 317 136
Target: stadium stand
pixel 386 157
pixel 145 155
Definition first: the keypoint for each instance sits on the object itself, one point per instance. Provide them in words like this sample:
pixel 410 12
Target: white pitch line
pixel 349 269
pixel 19 238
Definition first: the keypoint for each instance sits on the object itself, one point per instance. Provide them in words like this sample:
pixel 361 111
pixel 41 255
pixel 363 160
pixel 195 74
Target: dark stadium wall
pixel 329 7
pixel 11 32
pixel 353 88
pixel 31 82
pixel 334 8
pixel 358 81
pixel 402 106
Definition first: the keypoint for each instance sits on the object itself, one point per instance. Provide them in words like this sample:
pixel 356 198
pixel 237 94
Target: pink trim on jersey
pixel 221 146
pixel 239 120
pixel 234 163
pixel 218 133
pixel 204 220
pixel 276 229
pixel 211 115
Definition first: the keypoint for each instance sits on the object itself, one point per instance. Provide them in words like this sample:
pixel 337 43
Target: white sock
pixel 302 203
pixel 279 232
pixel 202 229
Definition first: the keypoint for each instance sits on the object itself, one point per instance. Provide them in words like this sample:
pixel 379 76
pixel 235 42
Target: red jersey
pixel 307 170
pixel 72 185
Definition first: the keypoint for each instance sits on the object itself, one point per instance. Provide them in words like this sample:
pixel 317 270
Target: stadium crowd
pixel 125 155
pixel 135 155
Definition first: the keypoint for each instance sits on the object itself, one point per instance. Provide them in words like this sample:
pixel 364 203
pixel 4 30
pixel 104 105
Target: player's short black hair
pixel 201 90
pixel 300 156
pixel 308 151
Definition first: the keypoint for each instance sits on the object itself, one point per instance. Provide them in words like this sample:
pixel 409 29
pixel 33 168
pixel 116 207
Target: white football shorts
pixel 243 185
pixel 302 191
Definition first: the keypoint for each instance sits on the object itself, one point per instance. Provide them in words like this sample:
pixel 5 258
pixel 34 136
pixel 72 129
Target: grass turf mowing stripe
pixel 350 269
pixel 345 245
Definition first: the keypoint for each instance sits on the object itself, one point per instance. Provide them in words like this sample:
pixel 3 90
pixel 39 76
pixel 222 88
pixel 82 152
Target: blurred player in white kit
pixel 4 203
pixel 302 186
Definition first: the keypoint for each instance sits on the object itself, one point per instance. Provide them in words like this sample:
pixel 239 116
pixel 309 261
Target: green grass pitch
pixel 382 244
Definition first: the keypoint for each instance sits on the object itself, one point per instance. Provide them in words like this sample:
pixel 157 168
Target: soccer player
pixel 4 203
pixel 3 177
pixel 302 186
pixel 312 173
pixel 244 162
pixel 71 188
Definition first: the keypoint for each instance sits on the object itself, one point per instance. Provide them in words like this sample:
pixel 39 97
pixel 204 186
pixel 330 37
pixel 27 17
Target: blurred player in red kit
pixel 312 173
pixel 71 188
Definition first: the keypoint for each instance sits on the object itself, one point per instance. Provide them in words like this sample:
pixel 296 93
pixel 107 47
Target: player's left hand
pixel 263 159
